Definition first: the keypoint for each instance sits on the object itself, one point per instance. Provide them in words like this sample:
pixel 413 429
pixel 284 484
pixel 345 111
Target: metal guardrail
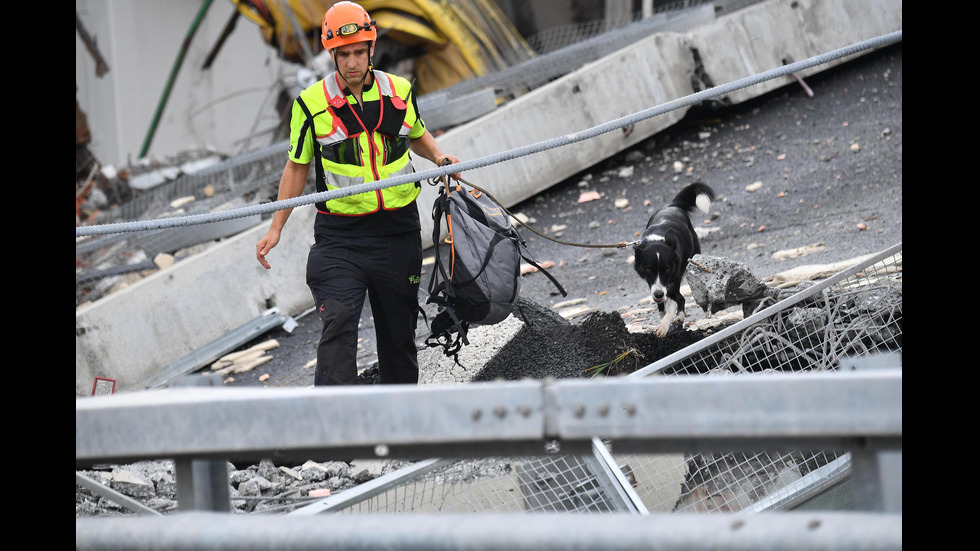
pixel 821 410
pixel 511 532
pixel 859 411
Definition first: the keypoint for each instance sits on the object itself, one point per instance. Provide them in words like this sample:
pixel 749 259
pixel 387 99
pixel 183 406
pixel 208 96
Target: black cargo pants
pixel 340 271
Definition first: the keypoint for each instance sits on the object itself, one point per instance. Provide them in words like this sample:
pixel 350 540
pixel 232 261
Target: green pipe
pixel 173 76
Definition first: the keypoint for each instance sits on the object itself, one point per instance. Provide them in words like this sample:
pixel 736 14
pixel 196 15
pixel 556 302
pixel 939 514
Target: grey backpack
pixel 476 278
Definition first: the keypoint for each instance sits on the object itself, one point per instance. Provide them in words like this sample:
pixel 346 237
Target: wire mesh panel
pixel 241 175
pixel 557 483
pixel 564 49
pixel 555 38
pixel 488 485
pixel 855 313
pixel 247 179
pixel 724 482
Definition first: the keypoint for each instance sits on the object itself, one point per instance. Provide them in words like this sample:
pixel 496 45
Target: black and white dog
pixel 666 246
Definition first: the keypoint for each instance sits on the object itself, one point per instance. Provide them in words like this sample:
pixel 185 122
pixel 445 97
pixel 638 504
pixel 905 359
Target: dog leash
pixel 620 245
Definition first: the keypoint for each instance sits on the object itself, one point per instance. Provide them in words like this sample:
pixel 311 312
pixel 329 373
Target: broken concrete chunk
pixel 163 260
pixel 131 484
pixel 717 284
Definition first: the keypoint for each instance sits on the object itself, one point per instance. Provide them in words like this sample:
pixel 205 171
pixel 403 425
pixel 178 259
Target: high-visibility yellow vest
pixel 324 126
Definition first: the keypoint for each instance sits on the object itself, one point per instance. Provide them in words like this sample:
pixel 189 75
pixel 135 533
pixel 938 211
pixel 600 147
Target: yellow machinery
pixel 447 41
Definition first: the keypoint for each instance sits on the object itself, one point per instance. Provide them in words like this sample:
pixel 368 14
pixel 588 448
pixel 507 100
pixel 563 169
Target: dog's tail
pixel 696 195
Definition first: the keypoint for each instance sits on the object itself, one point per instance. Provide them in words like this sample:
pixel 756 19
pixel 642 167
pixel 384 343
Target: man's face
pixel 352 61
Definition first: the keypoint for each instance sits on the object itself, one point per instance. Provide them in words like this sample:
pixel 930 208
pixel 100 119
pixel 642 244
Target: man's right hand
pixel 290 185
pixel 270 240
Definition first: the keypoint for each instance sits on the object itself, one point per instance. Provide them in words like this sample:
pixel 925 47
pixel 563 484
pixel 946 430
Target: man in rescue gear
pixel 359 125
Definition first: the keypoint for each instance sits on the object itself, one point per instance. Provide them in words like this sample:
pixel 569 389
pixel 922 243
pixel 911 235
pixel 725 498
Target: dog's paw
pixel 679 318
pixel 661 329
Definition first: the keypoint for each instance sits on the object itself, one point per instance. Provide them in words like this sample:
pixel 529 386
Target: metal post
pixel 877 474
pixel 202 484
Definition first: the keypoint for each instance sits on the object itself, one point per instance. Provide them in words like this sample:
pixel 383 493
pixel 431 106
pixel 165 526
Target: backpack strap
pixel 442 334
pixel 442 331
pixel 532 262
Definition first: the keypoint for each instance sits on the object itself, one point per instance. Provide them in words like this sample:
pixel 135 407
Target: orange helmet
pixel 347 23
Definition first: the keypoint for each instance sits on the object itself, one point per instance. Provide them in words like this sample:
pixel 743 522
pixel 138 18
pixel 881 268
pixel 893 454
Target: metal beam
pixel 201 357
